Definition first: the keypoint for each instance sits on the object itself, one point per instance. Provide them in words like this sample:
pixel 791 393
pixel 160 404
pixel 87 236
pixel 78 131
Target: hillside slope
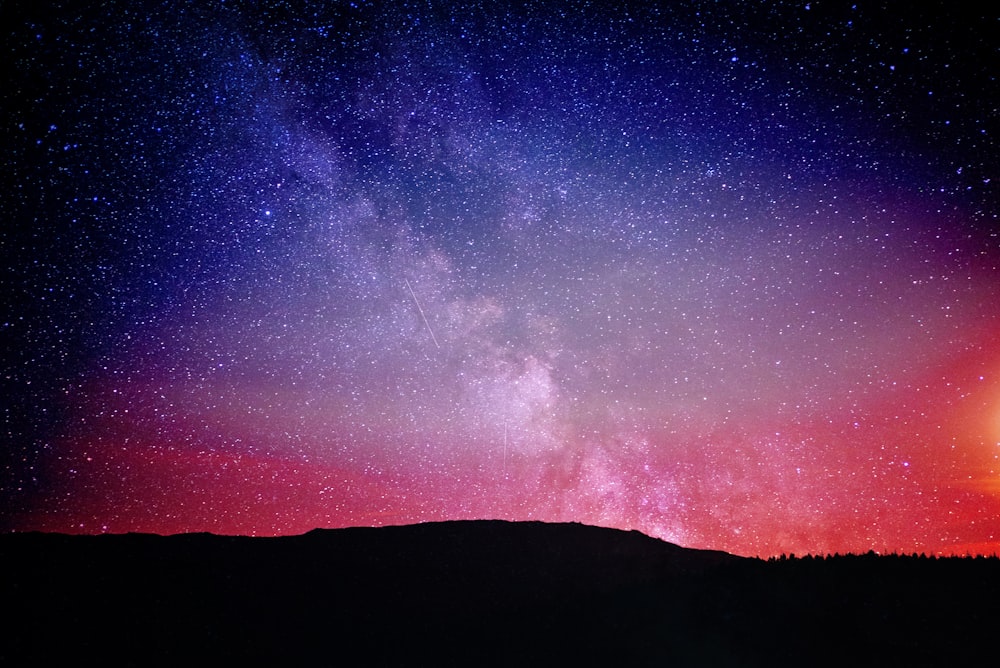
pixel 477 593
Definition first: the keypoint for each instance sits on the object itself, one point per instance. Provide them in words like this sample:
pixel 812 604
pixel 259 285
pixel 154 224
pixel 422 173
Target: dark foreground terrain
pixel 479 593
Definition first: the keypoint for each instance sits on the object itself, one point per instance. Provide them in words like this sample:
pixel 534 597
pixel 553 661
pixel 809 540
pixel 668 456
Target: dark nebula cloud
pixel 726 273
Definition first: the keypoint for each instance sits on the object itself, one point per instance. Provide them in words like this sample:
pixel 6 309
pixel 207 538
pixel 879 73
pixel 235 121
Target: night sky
pixel 725 273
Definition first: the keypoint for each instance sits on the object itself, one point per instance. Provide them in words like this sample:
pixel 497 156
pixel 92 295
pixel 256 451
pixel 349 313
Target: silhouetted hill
pixel 477 593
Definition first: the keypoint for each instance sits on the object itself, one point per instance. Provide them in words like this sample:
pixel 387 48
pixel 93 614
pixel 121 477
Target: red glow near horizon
pixel 893 482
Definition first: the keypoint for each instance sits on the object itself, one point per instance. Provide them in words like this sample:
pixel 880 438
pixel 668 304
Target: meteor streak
pixel 417 302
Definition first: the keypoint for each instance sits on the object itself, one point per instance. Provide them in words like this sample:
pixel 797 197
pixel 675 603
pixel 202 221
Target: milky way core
pixel 725 273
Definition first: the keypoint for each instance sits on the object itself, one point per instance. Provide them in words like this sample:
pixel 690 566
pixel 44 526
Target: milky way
pixel 725 273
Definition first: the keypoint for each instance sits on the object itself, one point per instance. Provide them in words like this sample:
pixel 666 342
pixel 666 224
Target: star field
pixel 724 273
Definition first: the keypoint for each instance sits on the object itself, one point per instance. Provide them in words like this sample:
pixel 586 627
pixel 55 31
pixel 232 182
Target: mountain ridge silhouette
pixel 476 592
